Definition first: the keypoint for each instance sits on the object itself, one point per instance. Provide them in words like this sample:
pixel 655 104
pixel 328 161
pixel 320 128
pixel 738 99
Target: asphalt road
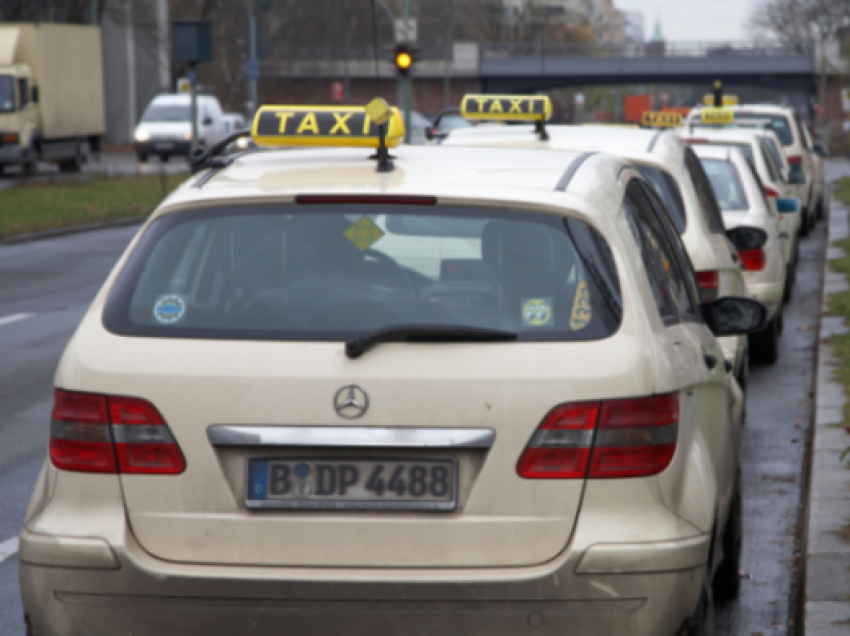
pixel 45 287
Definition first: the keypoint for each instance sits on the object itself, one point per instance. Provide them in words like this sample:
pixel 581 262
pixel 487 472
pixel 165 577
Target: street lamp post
pixel 448 57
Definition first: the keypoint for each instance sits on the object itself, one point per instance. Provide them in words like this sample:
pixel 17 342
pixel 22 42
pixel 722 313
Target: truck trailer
pixel 51 95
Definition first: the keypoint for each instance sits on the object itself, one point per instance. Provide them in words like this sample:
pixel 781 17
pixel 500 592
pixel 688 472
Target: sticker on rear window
pixel 581 308
pixel 537 312
pixel 364 233
pixel 169 309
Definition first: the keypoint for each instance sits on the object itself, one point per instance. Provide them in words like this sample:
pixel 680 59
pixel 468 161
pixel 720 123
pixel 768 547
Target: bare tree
pixel 798 23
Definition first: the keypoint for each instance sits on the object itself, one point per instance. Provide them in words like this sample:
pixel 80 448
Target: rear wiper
pixel 356 347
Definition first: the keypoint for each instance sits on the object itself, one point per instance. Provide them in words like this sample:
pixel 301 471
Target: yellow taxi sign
pixel 339 126
pixel 507 107
pixel 728 100
pixel 717 116
pixel 661 119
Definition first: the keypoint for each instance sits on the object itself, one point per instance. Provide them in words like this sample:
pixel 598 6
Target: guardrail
pixel 504 50
pixel 493 51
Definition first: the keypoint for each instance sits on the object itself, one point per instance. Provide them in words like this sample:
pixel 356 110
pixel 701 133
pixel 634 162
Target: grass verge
pixel 51 205
pixel 839 302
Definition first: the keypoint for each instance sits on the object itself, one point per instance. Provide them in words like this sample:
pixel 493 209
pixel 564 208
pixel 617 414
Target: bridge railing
pixel 496 51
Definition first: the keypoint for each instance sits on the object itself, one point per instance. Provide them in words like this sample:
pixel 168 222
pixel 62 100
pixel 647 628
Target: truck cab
pixel 18 116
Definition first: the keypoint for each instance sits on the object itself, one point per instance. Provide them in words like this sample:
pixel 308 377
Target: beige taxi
pixel 674 172
pixel 754 227
pixel 453 391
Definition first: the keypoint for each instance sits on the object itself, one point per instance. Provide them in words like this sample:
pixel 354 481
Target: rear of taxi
pixel 755 227
pixel 752 143
pixel 670 166
pixel 209 451
pixel 785 123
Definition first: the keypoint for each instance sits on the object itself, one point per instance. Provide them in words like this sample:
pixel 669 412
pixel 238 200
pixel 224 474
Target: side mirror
pixel 34 95
pixel 207 121
pixel 735 316
pixel 787 206
pixel 746 238
pixel 797 178
pixel 820 149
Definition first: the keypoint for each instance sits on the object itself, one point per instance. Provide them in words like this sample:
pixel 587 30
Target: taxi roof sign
pixel 536 108
pixel 661 119
pixel 717 116
pixel 328 126
pixel 507 107
pixel 728 100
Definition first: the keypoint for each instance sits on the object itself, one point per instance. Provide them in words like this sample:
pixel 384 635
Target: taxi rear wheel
pixel 765 344
pixel 727 579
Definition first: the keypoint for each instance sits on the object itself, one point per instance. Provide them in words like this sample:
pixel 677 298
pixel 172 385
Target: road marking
pixel 14 318
pixel 8 548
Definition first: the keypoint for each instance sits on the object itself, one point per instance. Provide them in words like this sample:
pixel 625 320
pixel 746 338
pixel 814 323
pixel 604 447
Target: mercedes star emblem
pixel 351 402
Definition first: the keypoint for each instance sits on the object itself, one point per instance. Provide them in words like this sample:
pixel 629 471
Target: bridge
pixel 530 67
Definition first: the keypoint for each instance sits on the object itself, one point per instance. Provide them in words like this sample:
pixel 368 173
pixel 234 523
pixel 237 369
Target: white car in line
pixel 753 225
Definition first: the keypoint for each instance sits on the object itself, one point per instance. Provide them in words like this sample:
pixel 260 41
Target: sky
pixel 694 20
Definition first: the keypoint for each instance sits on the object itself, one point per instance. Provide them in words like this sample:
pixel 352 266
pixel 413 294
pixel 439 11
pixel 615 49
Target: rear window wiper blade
pixel 356 347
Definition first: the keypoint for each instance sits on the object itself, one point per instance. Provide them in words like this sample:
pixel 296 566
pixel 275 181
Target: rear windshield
pixel 745 148
pixel 334 272
pixel 167 112
pixel 780 124
pixel 778 157
pixel 670 194
pixel 726 183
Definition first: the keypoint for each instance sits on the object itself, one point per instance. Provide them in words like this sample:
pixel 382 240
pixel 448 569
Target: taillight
pixel 143 442
pixel 697 141
pixel 752 260
pixel 709 285
pixel 773 194
pixel 100 434
pixel 80 439
pixel 795 160
pixel 634 437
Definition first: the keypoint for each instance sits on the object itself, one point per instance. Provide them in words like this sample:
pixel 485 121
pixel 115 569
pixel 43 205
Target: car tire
pixel 164 158
pixel 820 209
pixel 790 281
pixel 804 226
pixel 727 579
pixel 764 345
pixel 142 158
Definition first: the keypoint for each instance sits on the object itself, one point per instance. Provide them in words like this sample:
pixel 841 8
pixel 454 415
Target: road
pixel 46 286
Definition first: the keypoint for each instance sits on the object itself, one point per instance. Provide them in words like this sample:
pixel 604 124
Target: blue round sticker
pixel 169 309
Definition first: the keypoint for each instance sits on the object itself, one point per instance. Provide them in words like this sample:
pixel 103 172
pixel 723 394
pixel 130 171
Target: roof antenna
pixel 375 49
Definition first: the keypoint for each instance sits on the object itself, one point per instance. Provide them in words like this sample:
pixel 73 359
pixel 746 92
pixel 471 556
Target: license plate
pixel 323 483
pixel 163 146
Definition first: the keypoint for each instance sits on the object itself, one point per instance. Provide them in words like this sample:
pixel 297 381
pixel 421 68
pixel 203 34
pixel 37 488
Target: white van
pixel 165 128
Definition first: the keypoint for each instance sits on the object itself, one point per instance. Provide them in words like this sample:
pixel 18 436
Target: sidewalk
pixel 828 531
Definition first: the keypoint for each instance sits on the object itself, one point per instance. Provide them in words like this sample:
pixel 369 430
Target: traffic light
pixel 403 58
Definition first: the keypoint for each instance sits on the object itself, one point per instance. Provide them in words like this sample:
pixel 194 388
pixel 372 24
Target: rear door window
pixel 333 272
pixel 669 192
pixel 767 158
pixel 705 193
pixel 727 184
pixel 780 124
pixel 669 287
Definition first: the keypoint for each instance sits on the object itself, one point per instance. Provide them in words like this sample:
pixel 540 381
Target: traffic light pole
pixel 407 88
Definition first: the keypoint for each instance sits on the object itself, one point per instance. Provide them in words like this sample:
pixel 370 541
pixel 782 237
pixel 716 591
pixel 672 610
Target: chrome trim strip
pixel 350 436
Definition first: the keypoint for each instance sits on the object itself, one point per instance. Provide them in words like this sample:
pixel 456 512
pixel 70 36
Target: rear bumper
pixel 89 586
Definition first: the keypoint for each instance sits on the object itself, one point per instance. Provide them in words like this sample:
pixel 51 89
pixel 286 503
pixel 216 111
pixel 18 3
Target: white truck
pixel 51 95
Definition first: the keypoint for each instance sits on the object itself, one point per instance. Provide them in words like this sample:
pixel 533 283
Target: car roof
pixel 747 135
pixel 180 98
pixel 503 177
pixel 620 141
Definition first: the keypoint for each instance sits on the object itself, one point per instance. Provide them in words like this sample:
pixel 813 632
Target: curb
pixel 74 229
pixel 826 567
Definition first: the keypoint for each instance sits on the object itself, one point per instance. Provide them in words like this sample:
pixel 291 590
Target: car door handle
pixel 710 360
